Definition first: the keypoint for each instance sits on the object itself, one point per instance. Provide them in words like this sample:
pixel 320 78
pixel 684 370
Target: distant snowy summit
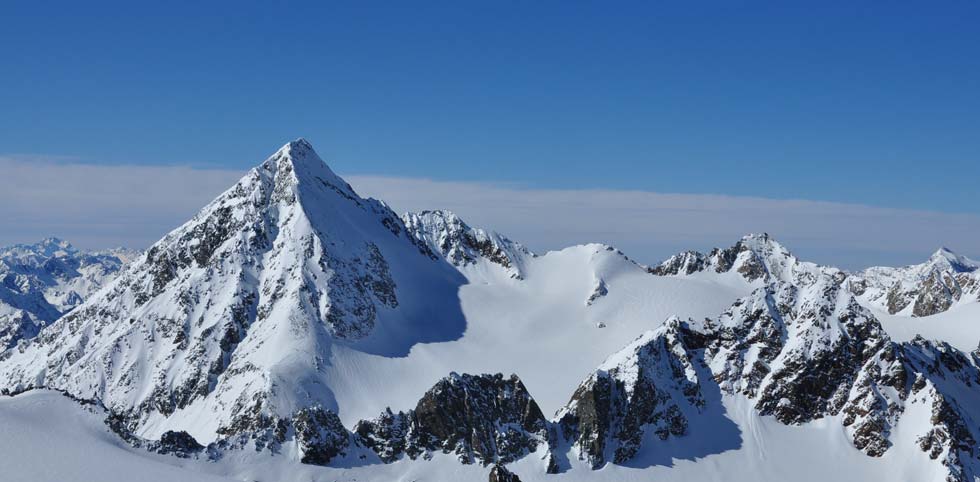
pixel 935 286
pixel 917 290
pixel 45 280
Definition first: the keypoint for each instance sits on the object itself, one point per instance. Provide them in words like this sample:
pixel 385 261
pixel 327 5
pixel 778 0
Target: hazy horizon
pixel 79 203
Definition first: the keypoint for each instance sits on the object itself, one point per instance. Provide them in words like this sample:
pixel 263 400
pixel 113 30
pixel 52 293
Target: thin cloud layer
pixel 98 206
pixel 650 226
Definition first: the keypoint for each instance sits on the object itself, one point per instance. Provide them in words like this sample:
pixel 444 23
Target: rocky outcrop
pixel 805 354
pixel 649 386
pixel 800 353
pixel 484 419
pixel 319 435
pixel 179 444
pixel 316 433
pixel 688 262
pixel 599 290
pixel 946 380
pixel 499 473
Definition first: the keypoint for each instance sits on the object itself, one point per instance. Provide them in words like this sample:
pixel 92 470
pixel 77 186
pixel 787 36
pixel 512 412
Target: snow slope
pixel 47 436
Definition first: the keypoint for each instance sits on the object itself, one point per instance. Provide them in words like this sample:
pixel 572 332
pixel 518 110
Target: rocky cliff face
pixel 43 281
pixel 478 418
pixel 650 386
pixel 313 433
pixel 796 350
pixel 499 473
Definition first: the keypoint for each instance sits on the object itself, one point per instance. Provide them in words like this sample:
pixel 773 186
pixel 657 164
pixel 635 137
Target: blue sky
pixel 875 104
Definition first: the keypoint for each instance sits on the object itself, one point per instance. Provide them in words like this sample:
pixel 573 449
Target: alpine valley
pixel 293 330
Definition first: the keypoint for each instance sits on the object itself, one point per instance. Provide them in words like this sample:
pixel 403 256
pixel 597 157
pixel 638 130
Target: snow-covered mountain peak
pixel 945 258
pixel 755 257
pixel 54 245
pixel 759 240
pixel 932 287
pixel 297 163
pixel 46 248
pixel 287 305
pixel 925 289
pixel 235 313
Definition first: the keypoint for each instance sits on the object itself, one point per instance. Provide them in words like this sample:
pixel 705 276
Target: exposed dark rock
pixel 499 473
pixel 320 435
pixel 755 257
pixel 485 418
pixel 898 299
pixel 688 262
pixel 642 388
pixel 598 291
pixel 179 444
pixel 936 295
pixel 819 354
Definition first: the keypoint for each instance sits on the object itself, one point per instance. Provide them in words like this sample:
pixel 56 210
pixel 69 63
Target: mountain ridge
pixel 290 311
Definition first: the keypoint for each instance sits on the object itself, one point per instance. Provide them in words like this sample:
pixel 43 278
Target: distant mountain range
pixel 293 320
pixel 43 281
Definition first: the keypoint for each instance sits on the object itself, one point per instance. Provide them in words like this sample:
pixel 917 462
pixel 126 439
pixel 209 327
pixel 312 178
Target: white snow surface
pixel 539 328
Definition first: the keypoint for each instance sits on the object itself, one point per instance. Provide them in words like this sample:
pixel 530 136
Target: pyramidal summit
pixel 232 316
